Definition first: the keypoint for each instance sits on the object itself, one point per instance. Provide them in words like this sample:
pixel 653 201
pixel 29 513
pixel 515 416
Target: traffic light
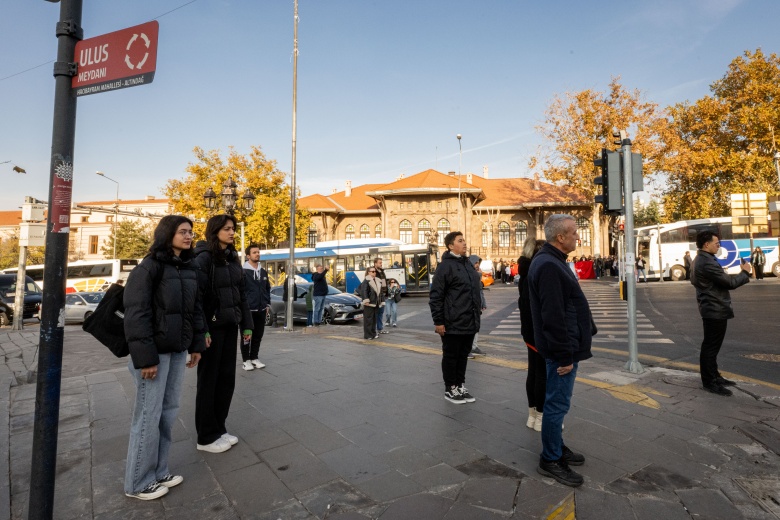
pixel 611 183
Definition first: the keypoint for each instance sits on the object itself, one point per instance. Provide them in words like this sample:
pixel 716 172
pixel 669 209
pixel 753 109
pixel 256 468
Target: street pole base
pixel 635 367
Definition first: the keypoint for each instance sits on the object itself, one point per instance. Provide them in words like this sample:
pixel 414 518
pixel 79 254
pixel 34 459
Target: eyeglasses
pixel 371 271
pixel 185 233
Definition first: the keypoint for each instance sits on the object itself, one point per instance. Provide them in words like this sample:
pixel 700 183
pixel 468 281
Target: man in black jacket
pixel 258 297
pixel 319 292
pixel 562 331
pixel 712 293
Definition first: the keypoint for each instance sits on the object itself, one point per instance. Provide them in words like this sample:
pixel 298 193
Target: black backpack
pixel 107 323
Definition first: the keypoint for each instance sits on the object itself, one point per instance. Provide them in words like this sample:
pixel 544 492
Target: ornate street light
pixel 210 198
pixel 229 198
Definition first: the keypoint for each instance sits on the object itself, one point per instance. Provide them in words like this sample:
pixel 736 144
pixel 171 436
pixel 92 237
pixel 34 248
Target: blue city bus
pixel 412 265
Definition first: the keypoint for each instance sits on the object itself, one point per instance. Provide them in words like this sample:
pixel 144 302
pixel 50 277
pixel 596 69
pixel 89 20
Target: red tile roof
pixel 10 218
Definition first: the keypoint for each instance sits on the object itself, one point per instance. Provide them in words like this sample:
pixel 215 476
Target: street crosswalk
pixel 609 313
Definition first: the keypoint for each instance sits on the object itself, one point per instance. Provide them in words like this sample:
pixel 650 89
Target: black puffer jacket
pixel 166 317
pixel 713 286
pixel 455 298
pixel 224 290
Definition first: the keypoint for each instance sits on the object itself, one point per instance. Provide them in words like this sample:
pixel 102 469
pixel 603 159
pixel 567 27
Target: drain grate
pixel 765 492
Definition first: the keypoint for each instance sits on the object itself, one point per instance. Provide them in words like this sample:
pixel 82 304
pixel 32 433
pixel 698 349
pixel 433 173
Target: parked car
pixel 340 307
pixel 32 298
pixel 78 306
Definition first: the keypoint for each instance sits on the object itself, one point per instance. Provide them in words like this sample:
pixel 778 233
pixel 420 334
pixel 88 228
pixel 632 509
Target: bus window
pixel 643 248
pixel 396 261
pixel 675 236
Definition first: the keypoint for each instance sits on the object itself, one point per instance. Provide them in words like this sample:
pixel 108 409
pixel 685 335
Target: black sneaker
pixel 170 481
pixel 715 388
pixel 722 381
pixel 476 352
pixel 466 395
pixel 470 355
pixel 571 458
pixel 453 395
pixel 559 470
pixel 152 491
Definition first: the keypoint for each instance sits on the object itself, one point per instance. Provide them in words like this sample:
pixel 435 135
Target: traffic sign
pixel 121 59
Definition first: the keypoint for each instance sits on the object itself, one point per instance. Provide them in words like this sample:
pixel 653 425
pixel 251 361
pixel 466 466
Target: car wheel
pixel 4 319
pixel 87 315
pixel 677 273
pixel 326 317
pixel 776 269
pixel 269 319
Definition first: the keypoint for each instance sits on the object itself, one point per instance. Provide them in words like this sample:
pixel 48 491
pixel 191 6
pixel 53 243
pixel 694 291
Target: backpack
pixel 107 323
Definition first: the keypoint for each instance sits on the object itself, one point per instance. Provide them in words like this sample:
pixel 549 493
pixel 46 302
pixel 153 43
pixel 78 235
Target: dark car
pixel 32 298
pixel 340 307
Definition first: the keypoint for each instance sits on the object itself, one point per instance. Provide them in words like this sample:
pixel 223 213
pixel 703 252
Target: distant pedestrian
pixel 687 264
pixel 508 273
pixel 455 304
pixel 319 292
pixel 640 268
pixel 382 279
pixel 258 297
pixel 475 350
pixel 563 333
pixel 712 294
pixel 392 299
pixel 164 321
pixel 758 260
pixel 309 308
pixel 536 382
pixel 370 291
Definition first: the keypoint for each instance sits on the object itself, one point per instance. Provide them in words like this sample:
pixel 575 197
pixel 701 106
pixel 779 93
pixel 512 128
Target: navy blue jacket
pixel 258 288
pixel 456 295
pixel 560 311
pixel 320 283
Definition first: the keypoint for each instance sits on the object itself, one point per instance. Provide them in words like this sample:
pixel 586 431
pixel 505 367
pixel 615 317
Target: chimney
pixel 335 190
pixel 400 177
pixel 537 184
pixel 149 197
pixel 348 190
pixel 485 171
pixel 451 174
pixel 469 177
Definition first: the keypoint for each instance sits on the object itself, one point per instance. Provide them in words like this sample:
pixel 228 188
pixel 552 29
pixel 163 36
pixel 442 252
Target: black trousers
pixel 216 382
pixel 369 321
pixel 250 351
pixel 759 272
pixel 455 350
pixel 536 383
pixel 714 332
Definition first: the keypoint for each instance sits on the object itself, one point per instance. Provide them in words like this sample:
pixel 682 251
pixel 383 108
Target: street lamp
pixel 229 197
pixel 116 205
pixel 777 165
pixel 460 164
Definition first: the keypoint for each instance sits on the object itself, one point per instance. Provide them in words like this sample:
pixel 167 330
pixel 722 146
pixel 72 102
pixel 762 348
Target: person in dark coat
pixel 687 264
pixel 370 291
pixel 320 291
pixel 712 294
pixel 226 309
pixel 163 323
pixel 455 302
pixel 757 260
pixel 258 297
pixel 536 382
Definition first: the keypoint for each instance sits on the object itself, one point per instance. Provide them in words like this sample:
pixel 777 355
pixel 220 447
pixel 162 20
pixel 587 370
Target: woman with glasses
pixel 226 309
pixel 163 322
pixel 370 291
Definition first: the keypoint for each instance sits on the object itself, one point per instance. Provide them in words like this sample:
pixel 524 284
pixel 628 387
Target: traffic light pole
pixel 633 364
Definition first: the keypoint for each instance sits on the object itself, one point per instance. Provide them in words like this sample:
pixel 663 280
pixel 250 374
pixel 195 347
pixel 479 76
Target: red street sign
pixel 120 59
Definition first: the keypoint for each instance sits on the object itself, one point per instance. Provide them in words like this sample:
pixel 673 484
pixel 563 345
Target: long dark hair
pixel 162 243
pixel 213 227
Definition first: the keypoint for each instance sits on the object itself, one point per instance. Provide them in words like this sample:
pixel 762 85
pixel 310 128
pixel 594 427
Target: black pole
pixel 47 397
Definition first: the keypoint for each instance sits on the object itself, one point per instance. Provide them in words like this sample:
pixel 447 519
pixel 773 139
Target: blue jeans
pixel 155 411
pixel 556 404
pixel 391 310
pixel 309 318
pixel 319 307
pixel 380 313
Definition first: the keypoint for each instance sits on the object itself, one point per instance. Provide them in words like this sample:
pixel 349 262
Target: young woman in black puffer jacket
pixel 226 309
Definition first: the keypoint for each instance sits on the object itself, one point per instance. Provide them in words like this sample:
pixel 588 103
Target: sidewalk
pixel 341 428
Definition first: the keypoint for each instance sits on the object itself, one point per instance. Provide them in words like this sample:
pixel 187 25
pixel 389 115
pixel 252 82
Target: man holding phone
pixel 712 294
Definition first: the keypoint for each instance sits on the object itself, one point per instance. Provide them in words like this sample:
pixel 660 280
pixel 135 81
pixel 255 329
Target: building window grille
pixel 405 232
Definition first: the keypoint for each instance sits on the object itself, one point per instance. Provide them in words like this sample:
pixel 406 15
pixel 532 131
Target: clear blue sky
pixel 383 87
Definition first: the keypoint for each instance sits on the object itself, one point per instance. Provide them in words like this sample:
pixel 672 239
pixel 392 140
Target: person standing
pixel 687 264
pixel 309 308
pixel 319 292
pixel 258 297
pixel 536 382
pixel 370 292
pixel 640 268
pixel 382 279
pixel 455 304
pixel 225 305
pixel 562 331
pixel 391 302
pixel 475 350
pixel 163 322
pixel 757 260
pixel 712 294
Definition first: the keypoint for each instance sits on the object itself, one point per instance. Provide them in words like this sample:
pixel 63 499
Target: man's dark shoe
pixel 720 380
pixel 571 458
pixel 559 470
pixel 718 389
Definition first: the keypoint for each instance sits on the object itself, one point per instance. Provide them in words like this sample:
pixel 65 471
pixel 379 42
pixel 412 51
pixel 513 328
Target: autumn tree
pixel 723 143
pixel 9 253
pixel 268 224
pixel 133 239
pixel 647 214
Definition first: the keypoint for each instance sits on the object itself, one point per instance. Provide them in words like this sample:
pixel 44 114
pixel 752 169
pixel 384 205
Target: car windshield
pixel 93 297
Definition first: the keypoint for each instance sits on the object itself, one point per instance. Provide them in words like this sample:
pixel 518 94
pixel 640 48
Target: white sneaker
pixel 248 366
pixel 232 439
pixel 257 364
pixel 218 446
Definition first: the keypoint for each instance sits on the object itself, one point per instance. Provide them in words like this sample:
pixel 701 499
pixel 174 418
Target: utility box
pixel 33 212
pixel 32 234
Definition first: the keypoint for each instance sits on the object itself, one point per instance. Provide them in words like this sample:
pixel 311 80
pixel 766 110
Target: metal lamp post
pixel 777 165
pixel 229 198
pixel 116 205
pixel 460 164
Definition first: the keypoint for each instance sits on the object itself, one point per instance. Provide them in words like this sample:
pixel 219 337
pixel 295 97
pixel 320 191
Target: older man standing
pixel 562 330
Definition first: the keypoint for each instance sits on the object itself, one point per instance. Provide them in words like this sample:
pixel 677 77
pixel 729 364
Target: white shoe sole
pixel 152 496
pixel 232 439
pixel 219 448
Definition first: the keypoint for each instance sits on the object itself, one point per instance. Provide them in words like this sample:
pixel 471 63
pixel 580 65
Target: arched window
pixel 423 227
pixel 350 232
pixel 583 230
pixel 503 234
pixel 312 238
pixel 378 231
pixel 443 228
pixel 521 233
pixel 364 232
pixel 487 235
pixel 405 232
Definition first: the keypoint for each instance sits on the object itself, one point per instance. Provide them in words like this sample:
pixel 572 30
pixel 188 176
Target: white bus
pixel 86 275
pixel 678 237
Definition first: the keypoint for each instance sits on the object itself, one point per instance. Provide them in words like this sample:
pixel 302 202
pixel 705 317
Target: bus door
pixel 275 270
pixel 337 276
pixel 417 276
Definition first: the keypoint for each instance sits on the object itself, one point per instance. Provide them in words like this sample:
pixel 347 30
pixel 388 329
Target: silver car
pixel 80 305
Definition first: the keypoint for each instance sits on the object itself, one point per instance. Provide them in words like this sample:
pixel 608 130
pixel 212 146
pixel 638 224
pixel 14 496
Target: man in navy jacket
pixel 258 297
pixel 562 331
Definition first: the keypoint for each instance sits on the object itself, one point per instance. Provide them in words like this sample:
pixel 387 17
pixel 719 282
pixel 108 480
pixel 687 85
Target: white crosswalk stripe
pixel 609 313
